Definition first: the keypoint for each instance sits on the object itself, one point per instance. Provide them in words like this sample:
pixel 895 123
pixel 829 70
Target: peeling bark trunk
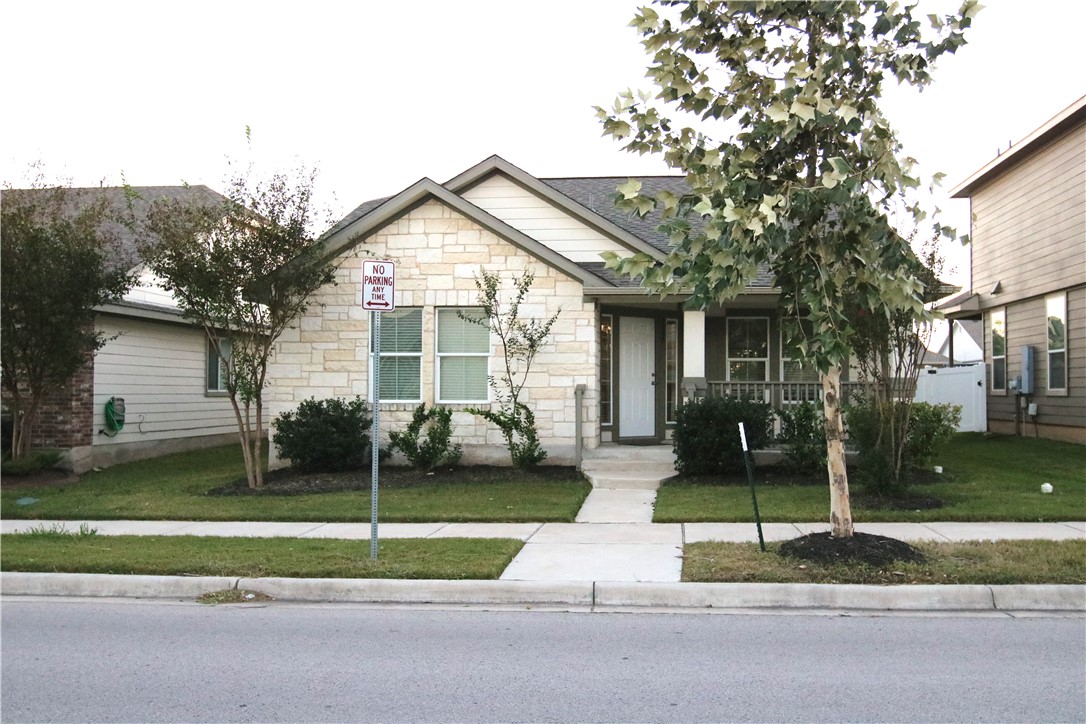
pixel 840 510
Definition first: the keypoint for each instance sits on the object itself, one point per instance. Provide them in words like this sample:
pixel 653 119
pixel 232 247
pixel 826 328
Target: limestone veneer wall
pixel 438 253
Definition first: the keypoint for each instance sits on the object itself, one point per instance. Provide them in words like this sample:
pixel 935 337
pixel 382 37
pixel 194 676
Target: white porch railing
pixel 780 395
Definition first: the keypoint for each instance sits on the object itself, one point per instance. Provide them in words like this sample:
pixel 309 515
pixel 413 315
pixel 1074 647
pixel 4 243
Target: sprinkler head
pixel 1046 488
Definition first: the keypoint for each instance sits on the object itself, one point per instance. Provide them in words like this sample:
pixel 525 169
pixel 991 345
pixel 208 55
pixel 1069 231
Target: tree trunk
pixel 246 449
pixel 258 442
pixel 840 510
pixel 22 428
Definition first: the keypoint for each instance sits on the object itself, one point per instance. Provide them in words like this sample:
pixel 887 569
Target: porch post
pixel 693 372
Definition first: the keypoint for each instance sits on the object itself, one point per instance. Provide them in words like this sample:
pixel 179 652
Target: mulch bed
pixel 290 482
pixel 875 550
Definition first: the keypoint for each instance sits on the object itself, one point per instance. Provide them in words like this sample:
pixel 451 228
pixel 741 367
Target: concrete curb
pixel 1068 598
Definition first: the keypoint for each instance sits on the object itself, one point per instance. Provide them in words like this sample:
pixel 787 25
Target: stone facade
pixel 438 253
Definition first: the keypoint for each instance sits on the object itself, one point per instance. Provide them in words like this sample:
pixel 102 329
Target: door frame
pixel 659 317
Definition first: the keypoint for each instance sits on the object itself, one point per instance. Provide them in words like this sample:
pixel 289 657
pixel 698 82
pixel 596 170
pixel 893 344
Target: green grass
pixel 174 487
pixel 989 563
pixel 437 558
pixel 985 479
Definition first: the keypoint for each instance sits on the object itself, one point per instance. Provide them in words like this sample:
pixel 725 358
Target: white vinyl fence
pixel 963 386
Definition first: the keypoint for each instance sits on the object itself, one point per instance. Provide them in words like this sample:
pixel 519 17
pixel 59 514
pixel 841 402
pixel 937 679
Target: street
pixel 86 660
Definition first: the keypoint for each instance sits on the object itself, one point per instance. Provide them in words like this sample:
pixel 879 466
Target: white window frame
pixel 1001 315
pixel 221 367
pixel 728 349
pixel 1061 301
pixel 418 355
pixel 439 356
pixel 607 321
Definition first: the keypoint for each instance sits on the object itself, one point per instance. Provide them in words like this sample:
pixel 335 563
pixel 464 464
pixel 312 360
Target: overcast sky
pixel 381 94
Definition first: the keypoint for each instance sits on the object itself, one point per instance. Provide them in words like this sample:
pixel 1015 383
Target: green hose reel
pixel 114 414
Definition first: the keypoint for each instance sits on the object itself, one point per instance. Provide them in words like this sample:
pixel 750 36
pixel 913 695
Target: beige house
pixel 1028 266
pixel 619 357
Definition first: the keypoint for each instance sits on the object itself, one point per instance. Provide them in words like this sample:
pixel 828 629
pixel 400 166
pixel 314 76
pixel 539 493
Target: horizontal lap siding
pixel 159 370
pixel 1029 232
pixel 541 220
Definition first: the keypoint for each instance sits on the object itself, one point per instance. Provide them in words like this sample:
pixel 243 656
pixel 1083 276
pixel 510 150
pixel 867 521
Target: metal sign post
pixel 750 478
pixel 378 294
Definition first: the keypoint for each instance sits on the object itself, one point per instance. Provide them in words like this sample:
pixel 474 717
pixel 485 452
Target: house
pixel 636 355
pixel 960 342
pixel 1028 263
pixel 160 365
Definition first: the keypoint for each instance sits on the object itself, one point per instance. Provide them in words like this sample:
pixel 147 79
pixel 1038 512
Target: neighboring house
pixel 960 339
pixel 157 362
pixel 636 354
pixel 1029 279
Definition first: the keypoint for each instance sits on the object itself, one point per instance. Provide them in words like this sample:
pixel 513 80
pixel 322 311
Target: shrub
pixel 707 433
pixel 36 462
pixel 803 437
pixel 435 449
pixel 930 427
pixel 517 425
pixel 326 436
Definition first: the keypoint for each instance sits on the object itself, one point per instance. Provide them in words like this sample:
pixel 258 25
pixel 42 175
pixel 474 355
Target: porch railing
pixel 781 395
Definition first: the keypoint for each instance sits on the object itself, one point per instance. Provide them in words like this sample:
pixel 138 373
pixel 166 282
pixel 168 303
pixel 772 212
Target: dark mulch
pixel 51 478
pixel 287 481
pixel 875 550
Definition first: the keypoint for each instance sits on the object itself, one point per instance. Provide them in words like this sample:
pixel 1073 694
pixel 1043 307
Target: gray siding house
pixel 1028 266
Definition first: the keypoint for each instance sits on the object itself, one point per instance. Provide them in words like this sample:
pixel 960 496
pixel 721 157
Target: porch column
pixel 693 374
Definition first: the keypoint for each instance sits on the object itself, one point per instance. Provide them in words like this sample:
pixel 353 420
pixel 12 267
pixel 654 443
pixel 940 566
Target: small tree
pixel 803 179
pixel 243 269
pixel 57 265
pixel 521 339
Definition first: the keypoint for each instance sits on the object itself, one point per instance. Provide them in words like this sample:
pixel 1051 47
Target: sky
pixel 377 95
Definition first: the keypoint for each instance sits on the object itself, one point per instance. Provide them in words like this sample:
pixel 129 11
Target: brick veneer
pixel 66 416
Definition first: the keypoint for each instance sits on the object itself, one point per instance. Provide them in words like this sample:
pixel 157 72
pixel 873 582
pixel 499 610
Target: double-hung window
pixel 401 355
pixel 804 381
pixel 748 349
pixel 1056 314
pixel 463 356
pixel 998 328
pixel 218 364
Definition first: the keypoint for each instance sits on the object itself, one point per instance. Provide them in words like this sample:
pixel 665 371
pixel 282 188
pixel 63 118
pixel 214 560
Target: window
pixel 606 370
pixel 748 349
pixel 218 365
pixel 401 355
pixel 804 379
pixel 463 356
pixel 671 369
pixel 998 320
pixel 1056 312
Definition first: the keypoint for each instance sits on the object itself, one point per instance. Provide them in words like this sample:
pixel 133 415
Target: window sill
pixel 216 393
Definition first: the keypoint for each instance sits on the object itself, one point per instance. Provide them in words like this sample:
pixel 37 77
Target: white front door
pixel 636 365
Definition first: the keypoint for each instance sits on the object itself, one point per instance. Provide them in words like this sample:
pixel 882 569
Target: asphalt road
pixel 81 660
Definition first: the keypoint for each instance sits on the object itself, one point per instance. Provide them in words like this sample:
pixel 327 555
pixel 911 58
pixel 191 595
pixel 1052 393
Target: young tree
pixel 58 263
pixel 806 172
pixel 244 269
pixel 520 339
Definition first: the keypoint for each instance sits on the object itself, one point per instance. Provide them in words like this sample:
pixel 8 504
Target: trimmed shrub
pixel 930 427
pixel 803 437
pixel 325 436
pixel 707 433
pixel 435 449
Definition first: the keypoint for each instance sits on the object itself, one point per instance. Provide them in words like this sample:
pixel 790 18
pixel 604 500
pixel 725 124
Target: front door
pixel 636 371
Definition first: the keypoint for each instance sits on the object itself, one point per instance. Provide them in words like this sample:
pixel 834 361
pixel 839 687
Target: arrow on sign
pixel 373 303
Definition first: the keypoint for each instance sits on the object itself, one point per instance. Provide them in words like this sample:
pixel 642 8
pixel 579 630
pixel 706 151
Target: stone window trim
pixel 1056 342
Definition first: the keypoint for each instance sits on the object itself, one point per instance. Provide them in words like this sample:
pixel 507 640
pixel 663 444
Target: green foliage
pixel 435 449
pixel 326 435
pixel 803 437
pixel 520 339
pixel 59 530
pixel 35 462
pixel 517 426
pixel 58 249
pixel 243 267
pixel 929 428
pixel 707 433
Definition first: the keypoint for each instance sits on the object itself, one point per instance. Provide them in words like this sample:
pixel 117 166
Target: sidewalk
pixel 573 564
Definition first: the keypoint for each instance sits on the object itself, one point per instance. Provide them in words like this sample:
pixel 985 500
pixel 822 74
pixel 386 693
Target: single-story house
pixel 158 363
pixel 635 354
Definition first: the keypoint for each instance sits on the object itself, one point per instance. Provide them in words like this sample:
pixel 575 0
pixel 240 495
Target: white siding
pixel 541 220
pixel 146 290
pixel 159 370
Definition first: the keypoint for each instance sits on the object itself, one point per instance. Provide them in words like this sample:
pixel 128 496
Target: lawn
pixel 175 488
pixel 984 563
pixel 984 479
pixel 440 558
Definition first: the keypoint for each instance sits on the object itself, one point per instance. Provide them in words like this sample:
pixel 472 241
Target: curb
pixel 1065 598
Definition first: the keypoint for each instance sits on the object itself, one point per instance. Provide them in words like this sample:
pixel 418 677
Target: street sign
pixel 378 285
